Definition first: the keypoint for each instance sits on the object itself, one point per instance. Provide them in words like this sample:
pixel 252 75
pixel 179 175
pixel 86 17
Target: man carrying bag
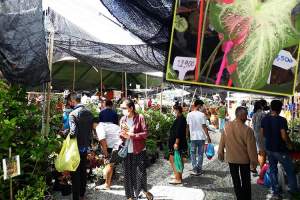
pixel 81 124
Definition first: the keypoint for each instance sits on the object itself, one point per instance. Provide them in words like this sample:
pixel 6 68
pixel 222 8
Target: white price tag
pixel 183 65
pixel 285 60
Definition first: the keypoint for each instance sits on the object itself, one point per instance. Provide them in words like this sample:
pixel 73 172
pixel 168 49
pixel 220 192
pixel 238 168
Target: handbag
pixel 124 150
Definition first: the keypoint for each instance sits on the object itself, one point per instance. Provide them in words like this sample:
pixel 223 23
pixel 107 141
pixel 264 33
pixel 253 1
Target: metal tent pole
pixel 101 83
pixel 146 86
pixel 125 77
pixel 193 99
pixel 182 95
pixel 161 97
pixel 50 60
pixel 74 75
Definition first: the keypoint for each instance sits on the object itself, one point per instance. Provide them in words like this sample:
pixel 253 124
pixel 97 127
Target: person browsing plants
pixel 239 141
pixel 134 133
pixel 277 144
pixel 81 124
pixel 177 142
pixel 108 135
pixel 198 130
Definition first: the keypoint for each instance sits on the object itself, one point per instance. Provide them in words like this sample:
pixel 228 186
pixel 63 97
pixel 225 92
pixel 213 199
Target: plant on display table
pixel 93 108
pixel 159 125
pixel 295 133
pixel 20 129
pixel 98 175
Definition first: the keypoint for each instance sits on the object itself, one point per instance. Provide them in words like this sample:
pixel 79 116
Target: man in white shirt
pixel 108 135
pixel 198 130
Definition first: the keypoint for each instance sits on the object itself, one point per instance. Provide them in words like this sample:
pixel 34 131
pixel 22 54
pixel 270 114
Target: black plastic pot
pixel 66 190
pixel 101 181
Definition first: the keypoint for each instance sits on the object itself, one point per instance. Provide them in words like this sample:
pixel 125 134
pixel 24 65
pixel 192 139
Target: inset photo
pixel 236 44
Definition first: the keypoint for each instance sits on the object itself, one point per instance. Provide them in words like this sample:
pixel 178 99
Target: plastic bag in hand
pixel 210 151
pixel 69 157
pixel 178 162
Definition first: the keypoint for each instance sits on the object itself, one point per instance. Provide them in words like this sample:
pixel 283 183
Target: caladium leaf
pixel 259 30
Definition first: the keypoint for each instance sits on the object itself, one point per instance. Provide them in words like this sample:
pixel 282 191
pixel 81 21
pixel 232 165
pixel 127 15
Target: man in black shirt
pixel 108 114
pixel 81 124
pixel 274 129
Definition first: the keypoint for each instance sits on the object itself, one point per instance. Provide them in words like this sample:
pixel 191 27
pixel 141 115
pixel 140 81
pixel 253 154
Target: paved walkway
pixel 215 183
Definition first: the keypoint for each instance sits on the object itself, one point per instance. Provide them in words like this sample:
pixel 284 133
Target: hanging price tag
pixel 183 65
pixel 285 60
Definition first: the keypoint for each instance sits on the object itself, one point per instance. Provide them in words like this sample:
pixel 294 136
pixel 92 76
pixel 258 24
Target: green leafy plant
pixel 35 192
pixel 159 125
pixel 93 108
pixel 20 129
pixel 294 126
pixel 258 30
pixel 151 146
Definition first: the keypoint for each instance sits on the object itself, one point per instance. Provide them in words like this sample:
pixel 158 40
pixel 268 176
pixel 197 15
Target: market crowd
pixel 123 141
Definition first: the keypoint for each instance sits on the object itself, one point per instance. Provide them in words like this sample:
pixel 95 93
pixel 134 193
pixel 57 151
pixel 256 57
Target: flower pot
pixel 66 190
pixel 101 181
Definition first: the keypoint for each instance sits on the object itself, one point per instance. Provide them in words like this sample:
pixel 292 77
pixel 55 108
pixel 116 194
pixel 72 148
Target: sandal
pixel 175 182
pixel 149 196
pixel 102 187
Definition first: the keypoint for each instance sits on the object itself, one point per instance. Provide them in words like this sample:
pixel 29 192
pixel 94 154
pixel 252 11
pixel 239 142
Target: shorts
pixel 183 153
pixel 113 156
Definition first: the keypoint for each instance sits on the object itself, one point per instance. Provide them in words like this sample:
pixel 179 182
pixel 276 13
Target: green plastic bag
pixel 68 158
pixel 178 162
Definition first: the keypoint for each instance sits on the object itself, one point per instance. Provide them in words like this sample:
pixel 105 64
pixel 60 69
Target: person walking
pixel 177 141
pixel 198 130
pixel 108 114
pixel 108 135
pixel 134 130
pixel 258 115
pixel 239 141
pixel 81 122
pixel 222 113
pixel 274 129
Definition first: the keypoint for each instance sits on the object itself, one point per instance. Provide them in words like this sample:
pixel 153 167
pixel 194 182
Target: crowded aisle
pixel 150 99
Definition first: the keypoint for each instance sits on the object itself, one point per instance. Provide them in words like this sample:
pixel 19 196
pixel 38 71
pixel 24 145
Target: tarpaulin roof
pixel 99 39
pixel 150 20
pixel 89 78
pixel 119 36
pixel 76 42
pixel 22 42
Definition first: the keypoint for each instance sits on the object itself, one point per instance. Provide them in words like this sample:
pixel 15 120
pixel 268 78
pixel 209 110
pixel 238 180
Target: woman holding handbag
pixel 134 133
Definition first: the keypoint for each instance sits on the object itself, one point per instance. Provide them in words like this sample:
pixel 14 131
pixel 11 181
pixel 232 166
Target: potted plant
pixel 98 175
pixel 65 183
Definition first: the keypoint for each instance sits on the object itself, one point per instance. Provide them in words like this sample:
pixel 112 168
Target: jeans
pixel 197 146
pixel 79 178
pixel 241 179
pixel 285 160
pixel 221 124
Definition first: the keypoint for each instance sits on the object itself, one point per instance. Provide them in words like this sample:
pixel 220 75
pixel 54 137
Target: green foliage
pixel 93 108
pixel 20 129
pixel 159 125
pixel 151 146
pixel 295 134
pixel 35 192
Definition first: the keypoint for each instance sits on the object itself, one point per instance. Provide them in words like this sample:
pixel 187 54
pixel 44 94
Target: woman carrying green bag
pixel 177 145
